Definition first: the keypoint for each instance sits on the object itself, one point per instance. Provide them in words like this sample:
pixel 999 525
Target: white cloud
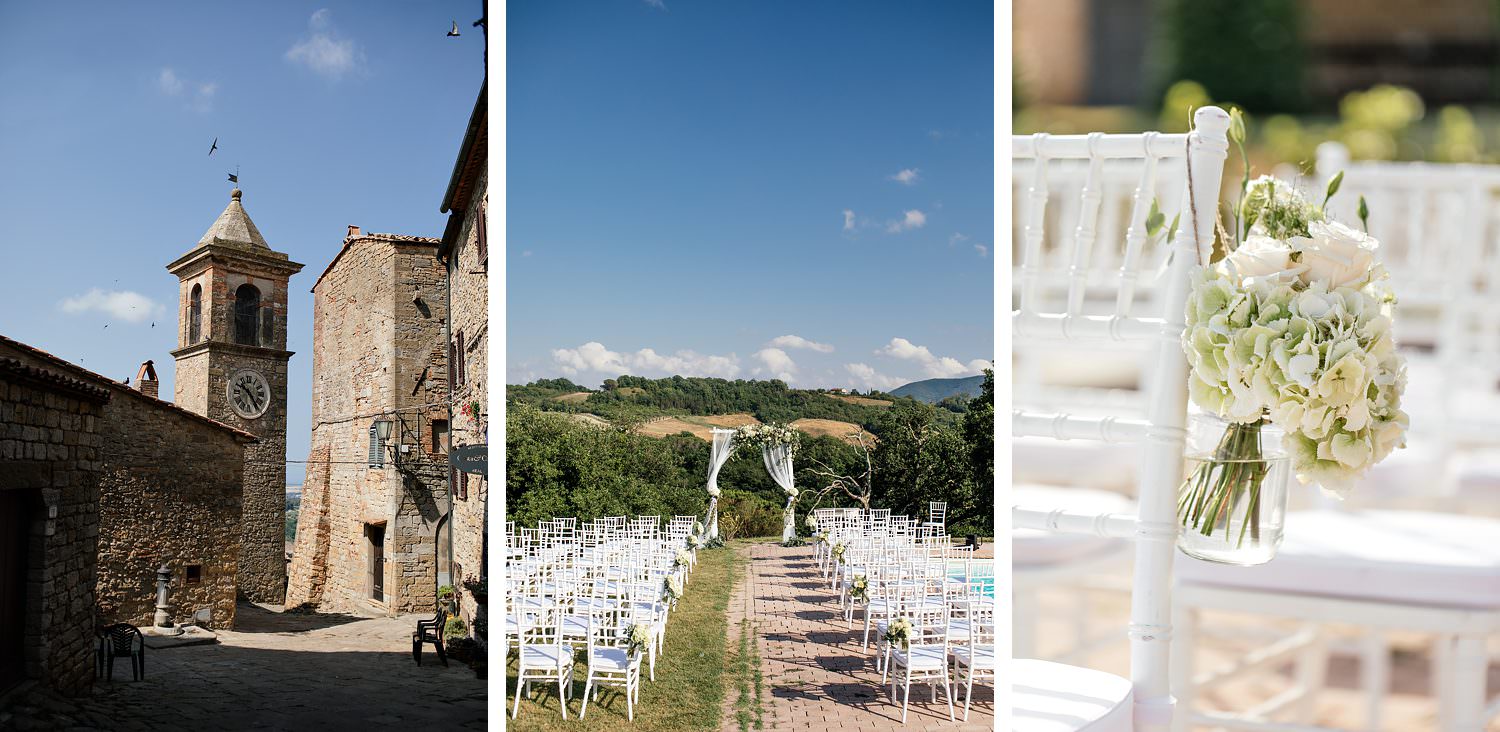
pixel 131 307
pixel 866 376
pixel 794 341
pixel 907 176
pixel 777 363
pixel 199 95
pixel 913 219
pixel 594 357
pixel 983 250
pixel 526 253
pixel 168 82
pixel 848 220
pixel 322 52
pixel 658 4
pixel 932 365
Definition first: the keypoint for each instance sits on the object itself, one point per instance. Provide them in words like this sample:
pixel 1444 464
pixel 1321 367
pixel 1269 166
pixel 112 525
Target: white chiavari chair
pixel 610 662
pixel 924 658
pixel 544 658
pixel 976 659
pixel 1045 690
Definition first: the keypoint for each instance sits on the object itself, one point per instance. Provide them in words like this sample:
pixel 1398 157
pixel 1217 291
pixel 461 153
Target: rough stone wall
pixel 378 318
pixel 470 304
pixel 170 496
pixel 262 562
pixel 203 371
pixel 49 448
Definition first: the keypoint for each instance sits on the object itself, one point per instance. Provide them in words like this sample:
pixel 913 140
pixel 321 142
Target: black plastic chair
pixel 430 631
pixel 121 640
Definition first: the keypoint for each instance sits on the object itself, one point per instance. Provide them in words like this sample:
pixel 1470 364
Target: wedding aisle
pixel 812 674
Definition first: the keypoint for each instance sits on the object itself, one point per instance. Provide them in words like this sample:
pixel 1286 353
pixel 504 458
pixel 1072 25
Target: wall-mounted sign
pixel 470 458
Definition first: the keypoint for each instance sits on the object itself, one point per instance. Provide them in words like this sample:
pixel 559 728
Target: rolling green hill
pixel 636 398
pixel 933 391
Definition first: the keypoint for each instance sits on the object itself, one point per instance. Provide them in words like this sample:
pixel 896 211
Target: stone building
pixel 111 483
pixel 465 254
pixel 377 486
pixel 232 366
pixel 49 523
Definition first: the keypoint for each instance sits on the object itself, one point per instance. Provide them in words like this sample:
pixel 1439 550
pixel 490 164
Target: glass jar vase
pixel 1231 508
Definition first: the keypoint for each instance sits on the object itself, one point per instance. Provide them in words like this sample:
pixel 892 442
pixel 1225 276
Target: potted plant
pixel 447 599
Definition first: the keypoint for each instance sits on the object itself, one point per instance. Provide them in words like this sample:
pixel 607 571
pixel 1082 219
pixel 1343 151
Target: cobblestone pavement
pixel 278 672
pixel 815 676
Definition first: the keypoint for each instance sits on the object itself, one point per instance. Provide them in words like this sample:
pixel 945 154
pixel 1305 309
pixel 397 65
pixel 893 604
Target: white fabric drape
pixel 778 462
pixel 723 445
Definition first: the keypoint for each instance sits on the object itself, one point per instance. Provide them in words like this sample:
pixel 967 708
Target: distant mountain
pixel 933 391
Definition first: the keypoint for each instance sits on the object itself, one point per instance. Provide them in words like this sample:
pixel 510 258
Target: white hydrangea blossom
pixel 1300 333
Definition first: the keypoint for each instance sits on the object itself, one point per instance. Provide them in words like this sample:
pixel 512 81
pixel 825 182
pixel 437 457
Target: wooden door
pixel 377 561
pixel 15 524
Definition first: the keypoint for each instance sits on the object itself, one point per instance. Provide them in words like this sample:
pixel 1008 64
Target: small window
pixel 246 315
pixel 461 359
pixel 452 366
pixel 195 315
pixel 439 435
pixel 194 574
pixel 479 234
pixel 377 447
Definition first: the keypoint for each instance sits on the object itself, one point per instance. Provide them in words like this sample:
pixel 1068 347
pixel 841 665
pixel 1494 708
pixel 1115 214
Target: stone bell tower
pixel 231 366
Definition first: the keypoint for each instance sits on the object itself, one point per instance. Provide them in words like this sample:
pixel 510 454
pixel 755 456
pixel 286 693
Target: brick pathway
pixel 815 677
pixel 282 672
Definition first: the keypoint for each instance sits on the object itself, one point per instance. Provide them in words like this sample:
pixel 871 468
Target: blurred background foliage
pixel 1398 80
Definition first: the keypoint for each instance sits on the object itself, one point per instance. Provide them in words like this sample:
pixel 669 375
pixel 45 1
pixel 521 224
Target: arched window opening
pixel 195 315
pixel 246 315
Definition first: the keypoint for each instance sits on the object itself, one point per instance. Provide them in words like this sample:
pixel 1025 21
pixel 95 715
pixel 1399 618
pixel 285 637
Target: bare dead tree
pixel 857 488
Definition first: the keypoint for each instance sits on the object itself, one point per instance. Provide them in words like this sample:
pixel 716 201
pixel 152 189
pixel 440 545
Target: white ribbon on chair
pixel 722 447
pixel 778 460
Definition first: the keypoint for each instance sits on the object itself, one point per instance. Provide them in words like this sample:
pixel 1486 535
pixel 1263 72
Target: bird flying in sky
pixel 213 147
pixel 454 32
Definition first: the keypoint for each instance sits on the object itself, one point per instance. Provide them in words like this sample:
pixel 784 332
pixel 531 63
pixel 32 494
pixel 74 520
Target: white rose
pixel 713 492
pixel 1336 255
pixel 1260 256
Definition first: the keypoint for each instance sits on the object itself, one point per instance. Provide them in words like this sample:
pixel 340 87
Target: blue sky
pixel 800 190
pixel 336 112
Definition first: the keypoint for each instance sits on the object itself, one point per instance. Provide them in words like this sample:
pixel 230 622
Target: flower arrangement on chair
pixel 637 638
pixel 682 558
pixel 859 589
pixel 1288 335
pixel 898 633
pixel 838 550
pixel 672 588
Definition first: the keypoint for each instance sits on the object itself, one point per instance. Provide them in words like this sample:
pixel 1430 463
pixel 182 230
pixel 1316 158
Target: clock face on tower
pixel 248 393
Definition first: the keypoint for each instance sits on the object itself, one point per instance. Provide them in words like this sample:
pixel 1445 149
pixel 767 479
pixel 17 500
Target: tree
pixel 979 433
pixel 853 483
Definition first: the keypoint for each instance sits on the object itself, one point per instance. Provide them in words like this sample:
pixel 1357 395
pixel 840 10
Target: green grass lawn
pixel 691 676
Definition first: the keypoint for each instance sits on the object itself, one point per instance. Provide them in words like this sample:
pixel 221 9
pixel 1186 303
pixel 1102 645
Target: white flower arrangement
pixel 838 550
pixel 694 542
pixel 811 522
pixel 1293 327
pixel 899 633
pixel 859 588
pixel 637 638
pixel 682 559
pixel 767 435
pixel 672 588
pixel 697 528
pixel 714 492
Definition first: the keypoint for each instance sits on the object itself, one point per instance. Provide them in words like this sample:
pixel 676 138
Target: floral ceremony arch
pixel 778 443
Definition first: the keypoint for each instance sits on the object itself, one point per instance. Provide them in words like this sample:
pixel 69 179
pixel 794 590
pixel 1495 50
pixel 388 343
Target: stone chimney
pixel 353 232
pixel 145 380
